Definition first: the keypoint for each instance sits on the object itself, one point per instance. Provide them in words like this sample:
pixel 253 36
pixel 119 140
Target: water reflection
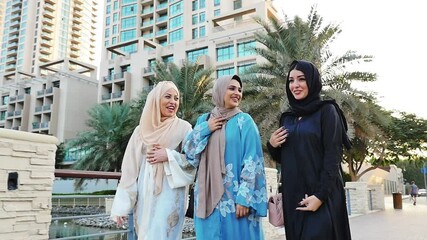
pixel 67 228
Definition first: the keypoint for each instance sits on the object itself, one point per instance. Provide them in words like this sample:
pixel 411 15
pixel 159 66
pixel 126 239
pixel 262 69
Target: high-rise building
pixel 37 32
pixel 1 19
pixel 54 104
pixel 216 33
pixel 48 80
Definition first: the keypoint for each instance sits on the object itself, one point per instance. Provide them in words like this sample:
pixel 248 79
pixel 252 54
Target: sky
pixel 394 32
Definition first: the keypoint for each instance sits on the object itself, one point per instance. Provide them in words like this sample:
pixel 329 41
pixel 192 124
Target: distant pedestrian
pixel 414 192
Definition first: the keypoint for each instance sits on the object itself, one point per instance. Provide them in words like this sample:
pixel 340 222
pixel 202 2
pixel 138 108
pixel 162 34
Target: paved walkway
pixel 408 223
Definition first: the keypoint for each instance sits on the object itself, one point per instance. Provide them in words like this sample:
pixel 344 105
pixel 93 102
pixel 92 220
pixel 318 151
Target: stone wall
pixel 361 197
pixel 25 211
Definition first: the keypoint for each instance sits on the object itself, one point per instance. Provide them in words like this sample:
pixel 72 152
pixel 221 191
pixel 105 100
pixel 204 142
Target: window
pixel 175 36
pixel 2 115
pixel 56 84
pixel 176 8
pixel 202 17
pixel 194 19
pixel 224 53
pixel 125 68
pixel 130 48
pixel 128 22
pixel 202 31
pixel 237 4
pixel 194 5
pixel 202 4
pixel 115 17
pixel 242 68
pixel 167 59
pixel 217 3
pixel 5 100
pixel 107 32
pixel 107 21
pixel 114 40
pixel 225 71
pixel 127 35
pixel 27 90
pixel 108 10
pixel 116 5
pixel 176 22
pixel 115 29
pixel 217 12
pixel 194 33
pixel 245 48
pixel 128 1
pixel 193 55
pixel 129 10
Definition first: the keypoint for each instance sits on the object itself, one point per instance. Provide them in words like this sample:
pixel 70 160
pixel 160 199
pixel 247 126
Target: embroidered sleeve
pixel 196 141
pixel 252 189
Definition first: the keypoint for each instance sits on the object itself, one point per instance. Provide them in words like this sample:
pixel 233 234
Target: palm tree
pixel 102 148
pixel 193 82
pixel 281 43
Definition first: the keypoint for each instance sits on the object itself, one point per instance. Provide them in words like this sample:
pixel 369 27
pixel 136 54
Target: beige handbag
pixel 275 210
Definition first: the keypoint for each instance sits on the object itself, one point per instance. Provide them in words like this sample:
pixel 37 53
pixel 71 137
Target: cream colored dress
pixel 156 216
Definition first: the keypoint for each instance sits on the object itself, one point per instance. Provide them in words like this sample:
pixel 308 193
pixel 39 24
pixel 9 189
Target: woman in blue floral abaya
pixel 230 193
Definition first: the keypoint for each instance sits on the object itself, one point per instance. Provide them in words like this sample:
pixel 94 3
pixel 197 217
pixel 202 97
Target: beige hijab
pixel 212 164
pixel 168 133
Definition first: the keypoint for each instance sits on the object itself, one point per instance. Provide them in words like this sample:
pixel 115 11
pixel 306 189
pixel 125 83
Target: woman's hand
pixel 311 203
pixel 156 154
pixel 241 211
pixel 120 221
pixel 278 137
pixel 216 123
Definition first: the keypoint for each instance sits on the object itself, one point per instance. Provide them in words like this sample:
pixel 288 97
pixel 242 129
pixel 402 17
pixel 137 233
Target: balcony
pixel 44 125
pixel 161 19
pixel 15 16
pixel 36 125
pixel 76 27
pixel 46 36
pixel 49 6
pixel 46 43
pixel 47 29
pixel 106 96
pixel 45 50
pixel 76 34
pixel 15 23
pixel 14 30
pixel 48 14
pixel 117 95
pixel 47 21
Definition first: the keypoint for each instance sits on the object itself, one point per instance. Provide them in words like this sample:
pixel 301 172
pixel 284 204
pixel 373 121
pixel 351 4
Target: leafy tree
pixel 59 155
pixel 193 82
pixel 281 43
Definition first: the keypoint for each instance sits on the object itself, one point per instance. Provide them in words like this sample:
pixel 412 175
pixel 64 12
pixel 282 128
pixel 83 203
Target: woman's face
pixel 169 103
pixel 298 85
pixel 233 95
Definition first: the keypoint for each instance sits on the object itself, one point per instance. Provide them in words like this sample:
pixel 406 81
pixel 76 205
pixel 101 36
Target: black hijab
pixel 313 101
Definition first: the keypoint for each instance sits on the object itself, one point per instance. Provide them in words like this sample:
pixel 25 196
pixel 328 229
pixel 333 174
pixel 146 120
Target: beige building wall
pixel 38 32
pixel 209 26
pixel 27 165
pixel 54 104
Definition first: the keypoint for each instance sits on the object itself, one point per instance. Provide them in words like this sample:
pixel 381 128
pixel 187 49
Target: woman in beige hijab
pixel 230 193
pixel 154 172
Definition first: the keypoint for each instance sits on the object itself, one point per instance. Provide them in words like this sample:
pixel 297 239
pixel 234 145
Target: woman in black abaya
pixel 309 147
